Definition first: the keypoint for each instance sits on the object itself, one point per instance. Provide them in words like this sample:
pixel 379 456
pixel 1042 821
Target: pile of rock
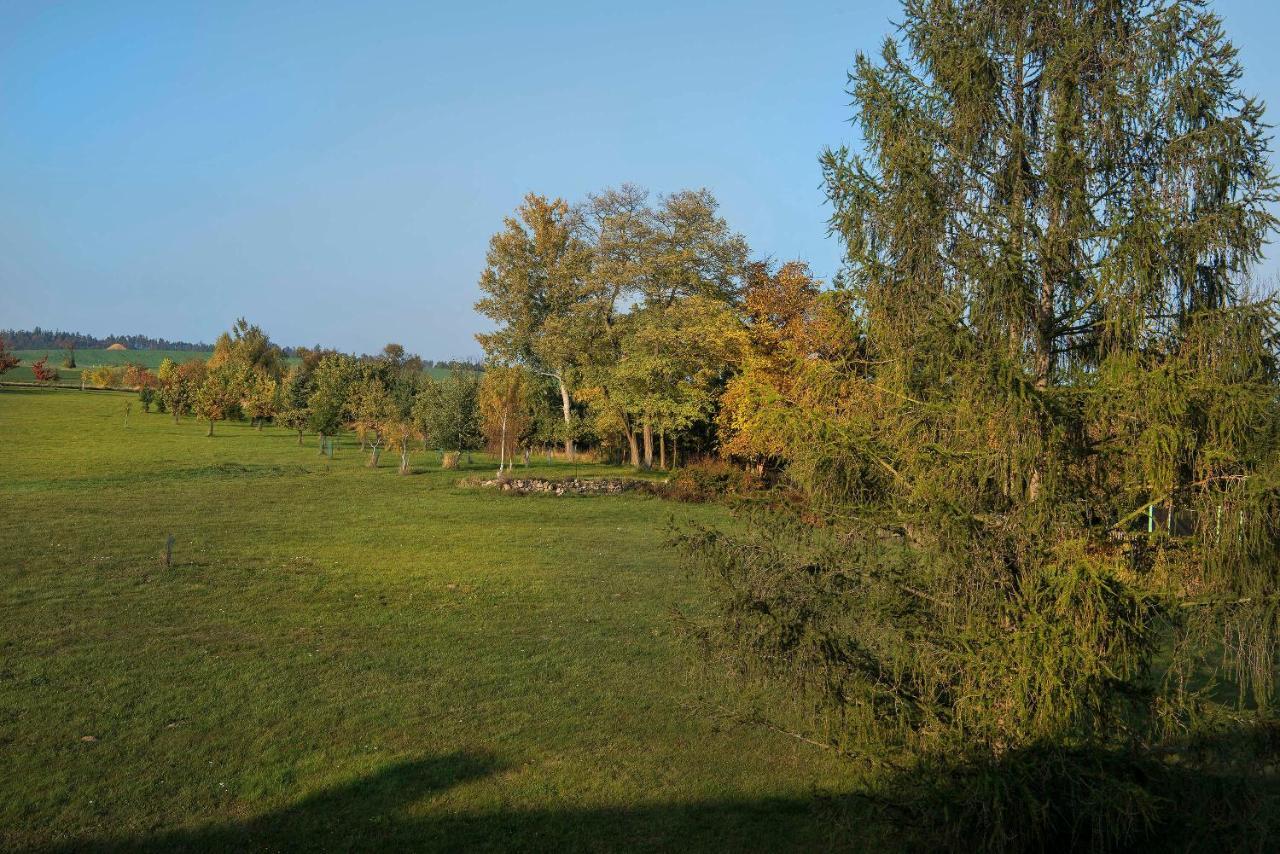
pixel 567 486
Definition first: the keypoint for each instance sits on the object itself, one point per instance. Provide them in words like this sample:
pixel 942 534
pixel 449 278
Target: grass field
pixel 94 358
pixel 347 659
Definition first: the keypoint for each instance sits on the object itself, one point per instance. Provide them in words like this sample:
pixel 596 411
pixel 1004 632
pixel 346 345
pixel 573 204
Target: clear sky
pixel 334 171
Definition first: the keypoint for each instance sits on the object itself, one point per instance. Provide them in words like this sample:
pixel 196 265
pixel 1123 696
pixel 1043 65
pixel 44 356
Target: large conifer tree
pixel 1045 472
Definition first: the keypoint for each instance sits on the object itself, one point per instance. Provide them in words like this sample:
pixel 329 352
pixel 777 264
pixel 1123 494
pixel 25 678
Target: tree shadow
pixel 1218 791
pixel 383 812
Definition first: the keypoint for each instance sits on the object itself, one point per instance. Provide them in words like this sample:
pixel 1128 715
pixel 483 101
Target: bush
pixel 104 376
pixel 712 479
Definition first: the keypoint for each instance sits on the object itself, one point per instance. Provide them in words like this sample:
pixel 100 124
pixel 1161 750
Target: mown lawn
pixel 346 659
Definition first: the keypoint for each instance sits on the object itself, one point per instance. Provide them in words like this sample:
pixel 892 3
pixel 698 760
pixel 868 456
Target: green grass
pixel 93 358
pixel 343 658
pixel 90 358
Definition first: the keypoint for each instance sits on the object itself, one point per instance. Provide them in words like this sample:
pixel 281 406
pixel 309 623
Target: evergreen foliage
pixel 1049 344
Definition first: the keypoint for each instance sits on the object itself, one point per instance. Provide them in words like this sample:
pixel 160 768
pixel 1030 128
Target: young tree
pixel 105 376
pixel 400 434
pixel 178 384
pixel 44 372
pixel 504 410
pixel 327 403
pixel 447 411
pixel 1049 339
pixel 424 414
pixel 370 408
pixel 219 396
pixel 259 395
pixel 8 361
pixel 136 376
pixel 536 290
pixel 293 412
pixel 789 324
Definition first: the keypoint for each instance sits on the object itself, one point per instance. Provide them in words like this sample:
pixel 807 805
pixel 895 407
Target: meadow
pixel 92 358
pixel 342 658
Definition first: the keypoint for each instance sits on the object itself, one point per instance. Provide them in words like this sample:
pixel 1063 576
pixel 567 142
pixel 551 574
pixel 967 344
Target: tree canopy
pixel 1040 444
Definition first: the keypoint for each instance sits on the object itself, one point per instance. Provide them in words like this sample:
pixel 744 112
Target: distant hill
pixel 58 339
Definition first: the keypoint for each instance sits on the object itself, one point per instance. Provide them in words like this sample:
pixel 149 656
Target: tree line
pixel 387 399
pixel 57 339
pixel 631 307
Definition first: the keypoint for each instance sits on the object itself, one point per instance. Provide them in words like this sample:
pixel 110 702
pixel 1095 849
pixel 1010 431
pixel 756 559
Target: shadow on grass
pixel 382 812
pixel 1218 792
pixel 1035 800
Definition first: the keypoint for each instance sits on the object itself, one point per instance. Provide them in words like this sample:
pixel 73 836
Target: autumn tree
pixel 370 407
pixel 218 397
pixel 259 395
pixel 8 361
pixel 536 291
pixel 504 410
pixel 44 372
pixel 400 433
pixel 789 326
pixel 249 347
pixel 178 386
pixel 327 404
pixel 136 376
pixel 1051 346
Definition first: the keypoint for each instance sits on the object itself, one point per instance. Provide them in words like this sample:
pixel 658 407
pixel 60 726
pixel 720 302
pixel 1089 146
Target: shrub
pixel 43 372
pixel 711 479
pixel 105 376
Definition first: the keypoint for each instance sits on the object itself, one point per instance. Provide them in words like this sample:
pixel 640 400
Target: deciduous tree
pixel 44 372
pixel 8 361
pixel 259 395
pixel 537 292
pixel 326 406
pixel 219 395
pixel 504 410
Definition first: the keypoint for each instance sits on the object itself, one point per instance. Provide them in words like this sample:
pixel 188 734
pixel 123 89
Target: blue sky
pixel 334 171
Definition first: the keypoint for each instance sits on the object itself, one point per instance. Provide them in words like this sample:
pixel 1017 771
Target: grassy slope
pixel 344 658
pixel 94 358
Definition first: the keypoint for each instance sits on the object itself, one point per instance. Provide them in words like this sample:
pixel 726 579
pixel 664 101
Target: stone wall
pixel 569 486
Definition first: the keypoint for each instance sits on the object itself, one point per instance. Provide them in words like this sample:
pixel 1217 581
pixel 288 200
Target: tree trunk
pixel 210 433
pixel 175 416
pixel 502 446
pixel 635 448
pixel 662 450
pixel 320 439
pixel 299 438
pixel 568 418
pixel 648 443
pixel 373 457
pixel 404 459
